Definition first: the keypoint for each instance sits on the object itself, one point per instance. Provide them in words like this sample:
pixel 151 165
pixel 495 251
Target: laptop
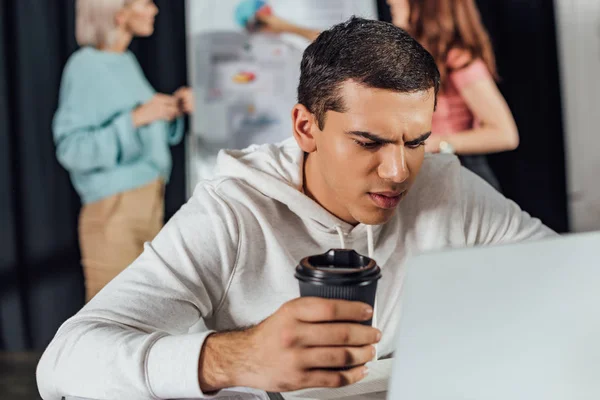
pixel 519 321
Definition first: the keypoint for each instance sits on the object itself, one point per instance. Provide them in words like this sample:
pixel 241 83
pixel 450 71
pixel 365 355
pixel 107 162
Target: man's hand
pixel 298 347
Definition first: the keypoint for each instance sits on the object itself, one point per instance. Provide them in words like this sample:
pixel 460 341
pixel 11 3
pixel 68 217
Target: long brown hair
pixel 443 25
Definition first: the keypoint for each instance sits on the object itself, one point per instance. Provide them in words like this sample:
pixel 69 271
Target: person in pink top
pixel 472 118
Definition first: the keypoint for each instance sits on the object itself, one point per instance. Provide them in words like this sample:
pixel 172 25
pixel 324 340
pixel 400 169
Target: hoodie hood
pixel 277 171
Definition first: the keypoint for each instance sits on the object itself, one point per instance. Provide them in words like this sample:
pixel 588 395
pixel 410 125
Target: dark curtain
pixel 524 38
pixel 41 281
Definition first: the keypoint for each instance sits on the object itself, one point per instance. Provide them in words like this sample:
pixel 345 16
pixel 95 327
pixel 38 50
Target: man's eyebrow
pixel 371 136
pixel 374 138
pixel 420 139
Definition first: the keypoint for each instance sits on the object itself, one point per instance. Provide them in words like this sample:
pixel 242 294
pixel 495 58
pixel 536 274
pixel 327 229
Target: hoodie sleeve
pixel 131 341
pixel 490 218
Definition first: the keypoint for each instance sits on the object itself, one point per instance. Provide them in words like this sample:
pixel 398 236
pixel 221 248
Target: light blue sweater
pixel 93 128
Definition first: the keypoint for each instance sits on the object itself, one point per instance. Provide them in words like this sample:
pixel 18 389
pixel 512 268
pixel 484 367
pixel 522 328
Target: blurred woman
pixel 472 118
pixel 112 133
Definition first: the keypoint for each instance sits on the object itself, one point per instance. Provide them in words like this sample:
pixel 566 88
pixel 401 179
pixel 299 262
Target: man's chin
pixel 377 216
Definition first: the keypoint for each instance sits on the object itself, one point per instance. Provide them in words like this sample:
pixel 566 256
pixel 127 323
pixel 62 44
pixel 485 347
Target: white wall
pixel 578 24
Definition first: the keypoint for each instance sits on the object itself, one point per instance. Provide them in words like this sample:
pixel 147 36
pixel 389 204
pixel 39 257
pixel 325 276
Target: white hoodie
pixel 228 258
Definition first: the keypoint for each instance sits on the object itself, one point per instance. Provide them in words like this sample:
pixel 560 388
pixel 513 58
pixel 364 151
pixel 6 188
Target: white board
pixel 245 84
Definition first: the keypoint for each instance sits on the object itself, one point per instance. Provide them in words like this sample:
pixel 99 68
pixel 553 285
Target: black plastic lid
pixel 338 267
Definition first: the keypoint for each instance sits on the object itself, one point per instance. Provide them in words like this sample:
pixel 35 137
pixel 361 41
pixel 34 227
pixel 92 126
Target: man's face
pixel 366 159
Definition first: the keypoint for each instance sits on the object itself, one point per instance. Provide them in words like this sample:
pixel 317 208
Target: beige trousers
pixel 112 232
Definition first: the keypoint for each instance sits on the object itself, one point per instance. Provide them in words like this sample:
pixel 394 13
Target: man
pixel 348 177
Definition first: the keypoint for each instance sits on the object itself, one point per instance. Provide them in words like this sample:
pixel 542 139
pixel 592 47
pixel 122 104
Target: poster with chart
pixel 245 83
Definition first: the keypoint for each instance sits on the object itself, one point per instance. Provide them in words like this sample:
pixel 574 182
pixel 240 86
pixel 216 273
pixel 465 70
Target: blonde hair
pixel 95 23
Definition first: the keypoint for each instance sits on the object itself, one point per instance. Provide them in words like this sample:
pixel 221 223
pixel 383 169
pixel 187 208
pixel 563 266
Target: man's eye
pixel 368 145
pixel 415 145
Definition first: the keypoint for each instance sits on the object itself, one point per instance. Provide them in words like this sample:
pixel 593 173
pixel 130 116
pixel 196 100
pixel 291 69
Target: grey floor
pixel 17 376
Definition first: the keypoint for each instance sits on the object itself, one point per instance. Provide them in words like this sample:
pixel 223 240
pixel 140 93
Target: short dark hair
pixel 373 53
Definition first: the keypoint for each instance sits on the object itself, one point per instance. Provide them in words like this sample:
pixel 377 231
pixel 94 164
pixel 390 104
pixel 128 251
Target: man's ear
pixel 305 128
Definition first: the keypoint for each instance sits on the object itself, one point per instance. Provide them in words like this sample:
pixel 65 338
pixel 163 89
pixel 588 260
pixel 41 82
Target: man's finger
pixel 315 309
pixel 332 379
pixel 336 357
pixel 335 334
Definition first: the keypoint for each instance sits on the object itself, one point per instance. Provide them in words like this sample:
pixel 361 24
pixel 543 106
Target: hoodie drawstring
pixel 370 247
pixel 341 236
pixel 370 240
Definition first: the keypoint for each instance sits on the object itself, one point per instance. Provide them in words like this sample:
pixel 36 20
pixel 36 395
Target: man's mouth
pixel 387 200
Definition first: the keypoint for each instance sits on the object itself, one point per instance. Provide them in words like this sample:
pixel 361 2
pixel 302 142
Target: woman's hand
pixel 160 107
pixel 185 98
pixel 274 24
pixel 432 145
